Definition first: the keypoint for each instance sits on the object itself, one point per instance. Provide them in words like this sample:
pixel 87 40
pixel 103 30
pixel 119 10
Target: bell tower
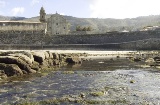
pixel 42 15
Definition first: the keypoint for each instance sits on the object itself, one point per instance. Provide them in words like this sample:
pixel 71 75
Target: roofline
pixel 17 22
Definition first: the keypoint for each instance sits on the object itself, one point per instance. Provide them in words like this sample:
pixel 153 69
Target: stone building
pixel 21 26
pixel 42 15
pixel 25 25
pixel 57 25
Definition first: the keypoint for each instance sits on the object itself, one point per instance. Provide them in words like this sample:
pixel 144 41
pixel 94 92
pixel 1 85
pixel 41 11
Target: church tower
pixel 42 15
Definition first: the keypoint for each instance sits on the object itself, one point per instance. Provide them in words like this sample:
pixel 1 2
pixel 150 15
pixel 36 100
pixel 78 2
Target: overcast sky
pixel 82 8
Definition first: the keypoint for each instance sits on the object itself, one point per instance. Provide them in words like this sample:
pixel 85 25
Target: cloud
pixel 17 10
pixel 34 2
pixel 123 8
pixel 2 3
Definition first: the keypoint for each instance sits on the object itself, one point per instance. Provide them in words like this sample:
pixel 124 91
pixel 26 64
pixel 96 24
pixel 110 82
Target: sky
pixel 118 9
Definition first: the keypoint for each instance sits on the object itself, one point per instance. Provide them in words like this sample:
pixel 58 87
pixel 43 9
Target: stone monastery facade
pixel 57 24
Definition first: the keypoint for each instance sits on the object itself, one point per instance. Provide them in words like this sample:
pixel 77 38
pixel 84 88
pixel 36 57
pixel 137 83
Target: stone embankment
pixel 17 63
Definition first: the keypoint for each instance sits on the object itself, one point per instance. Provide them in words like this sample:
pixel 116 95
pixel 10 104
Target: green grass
pixel 132 81
pixel 94 102
pixel 97 94
pixel 116 102
pixel 68 72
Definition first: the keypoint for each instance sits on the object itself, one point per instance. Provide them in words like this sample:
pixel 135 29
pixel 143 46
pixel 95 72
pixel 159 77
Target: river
pixel 109 81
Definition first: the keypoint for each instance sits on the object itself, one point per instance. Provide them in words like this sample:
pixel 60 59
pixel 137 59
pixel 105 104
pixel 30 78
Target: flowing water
pixel 121 81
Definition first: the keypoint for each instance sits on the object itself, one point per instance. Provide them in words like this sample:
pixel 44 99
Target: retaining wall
pixel 22 37
pixel 110 41
pixel 104 38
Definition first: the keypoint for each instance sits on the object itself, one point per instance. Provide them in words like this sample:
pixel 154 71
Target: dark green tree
pixel 78 28
pixel 84 29
pixel 89 28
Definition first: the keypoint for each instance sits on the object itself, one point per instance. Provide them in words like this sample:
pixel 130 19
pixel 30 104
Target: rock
pixel 35 66
pixel 24 72
pixel 130 57
pixel 39 56
pixel 14 60
pixel 2 74
pixel 71 99
pixel 46 55
pixel 55 56
pixel 50 54
pixel 23 57
pixel 158 67
pixel 150 60
pixel 28 54
pixel 132 81
pixel 136 59
pixel 33 71
pixel 11 69
pixel 118 56
pixel 145 66
pixel 61 57
pixel 6 53
pixel 75 65
pixel 82 95
pixel 45 64
pixel 50 62
pixel 74 60
pixel 56 62
pixel 157 59
pixel 111 59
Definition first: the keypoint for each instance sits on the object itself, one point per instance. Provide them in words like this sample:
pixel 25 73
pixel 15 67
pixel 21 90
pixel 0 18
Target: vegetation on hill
pixel 103 25
pixel 9 18
pixel 79 28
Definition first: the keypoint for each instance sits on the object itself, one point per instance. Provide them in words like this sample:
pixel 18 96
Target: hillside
pixel 7 18
pixel 103 25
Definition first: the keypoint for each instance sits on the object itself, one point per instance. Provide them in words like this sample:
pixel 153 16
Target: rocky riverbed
pixel 106 79
pixel 18 63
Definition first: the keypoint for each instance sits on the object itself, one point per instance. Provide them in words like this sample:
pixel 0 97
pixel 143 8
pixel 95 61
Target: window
pixel 64 27
pixel 56 23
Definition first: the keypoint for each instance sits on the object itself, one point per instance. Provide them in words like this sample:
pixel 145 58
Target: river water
pixel 121 81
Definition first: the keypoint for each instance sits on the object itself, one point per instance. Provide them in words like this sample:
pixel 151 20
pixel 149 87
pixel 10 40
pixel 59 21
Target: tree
pixel 78 28
pixel 84 29
pixel 89 28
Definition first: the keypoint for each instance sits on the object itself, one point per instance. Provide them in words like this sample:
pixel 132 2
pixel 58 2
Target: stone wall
pixel 109 41
pixel 22 37
pixel 148 44
pixel 117 37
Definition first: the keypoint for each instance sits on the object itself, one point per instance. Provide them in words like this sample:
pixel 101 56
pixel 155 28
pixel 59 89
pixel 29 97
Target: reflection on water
pixel 91 75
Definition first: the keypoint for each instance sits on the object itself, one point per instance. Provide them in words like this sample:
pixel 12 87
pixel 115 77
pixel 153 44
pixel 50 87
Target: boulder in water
pixel 11 69
pixel 74 60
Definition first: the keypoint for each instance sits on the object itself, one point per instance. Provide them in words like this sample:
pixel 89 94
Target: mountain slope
pixel 103 25
pixel 9 18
